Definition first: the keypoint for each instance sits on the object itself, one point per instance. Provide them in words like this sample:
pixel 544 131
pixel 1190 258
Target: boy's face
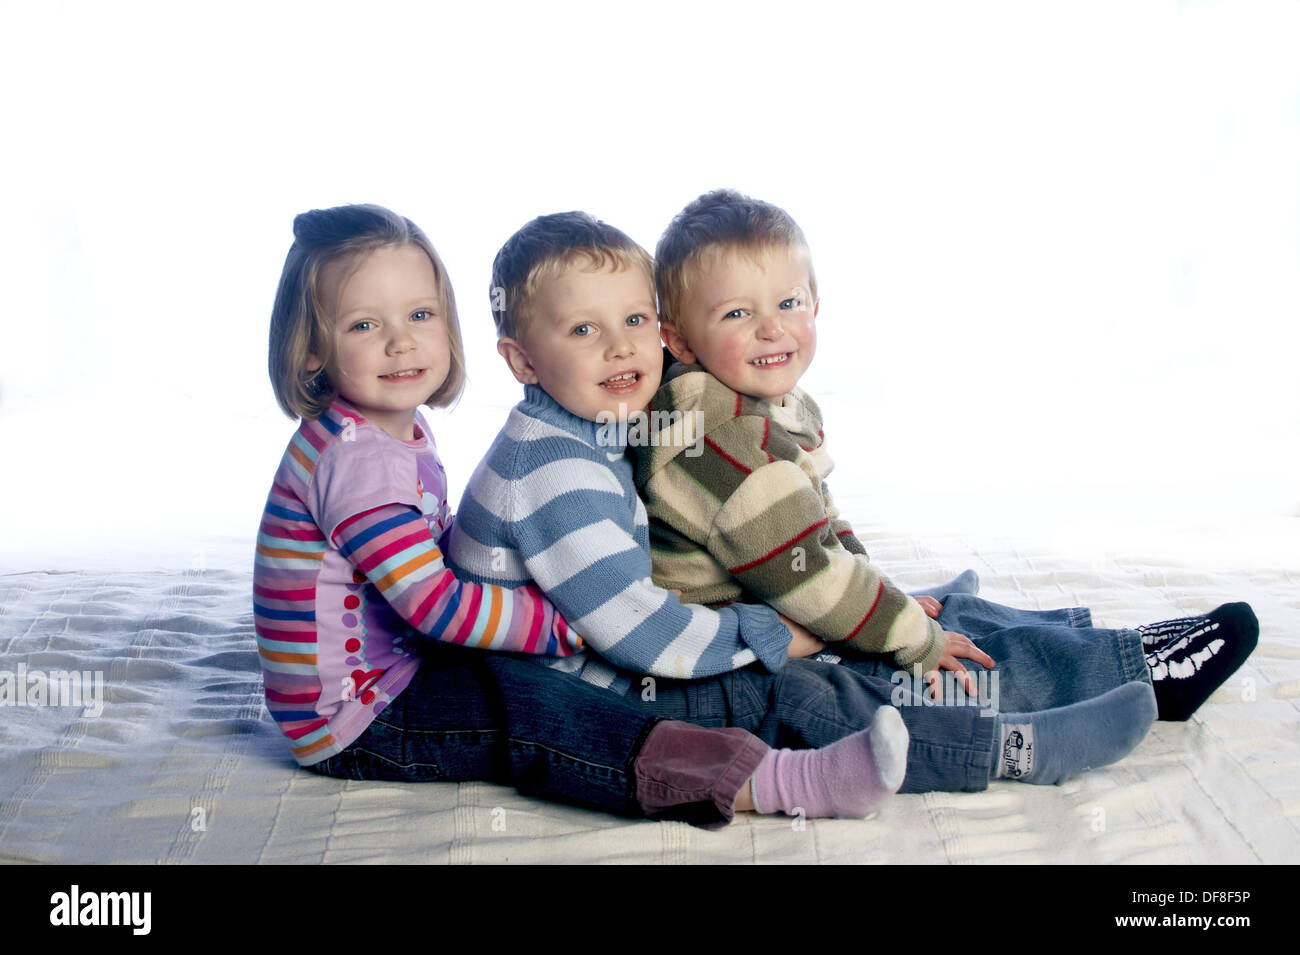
pixel 748 319
pixel 591 342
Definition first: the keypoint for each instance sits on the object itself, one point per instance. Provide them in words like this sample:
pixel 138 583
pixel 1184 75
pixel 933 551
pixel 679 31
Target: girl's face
pixel 391 348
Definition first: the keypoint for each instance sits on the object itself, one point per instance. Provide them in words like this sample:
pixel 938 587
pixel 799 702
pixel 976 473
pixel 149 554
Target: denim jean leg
pixel 812 704
pixel 566 739
pixel 1044 659
pixel 567 736
pixel 467 714
pixel 969 614
pixel 740 698
pixel 967 582
pixel 694 763
pixel 446 725
pixel 816 704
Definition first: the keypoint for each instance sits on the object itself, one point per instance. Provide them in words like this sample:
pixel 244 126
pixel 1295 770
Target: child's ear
pixel 676 343
pixel 816 306
pixel 521 366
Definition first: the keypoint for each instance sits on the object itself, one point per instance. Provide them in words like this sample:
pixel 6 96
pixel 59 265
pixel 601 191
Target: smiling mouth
pixel 403 375
pixel 623 382
pixel 767 361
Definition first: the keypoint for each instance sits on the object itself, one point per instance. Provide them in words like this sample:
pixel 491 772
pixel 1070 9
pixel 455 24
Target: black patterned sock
pixel 1156 635
pixel 1186 669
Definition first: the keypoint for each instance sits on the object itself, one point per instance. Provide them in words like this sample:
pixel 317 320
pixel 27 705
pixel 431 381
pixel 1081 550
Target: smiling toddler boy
pixel 554 500
pixel 752 517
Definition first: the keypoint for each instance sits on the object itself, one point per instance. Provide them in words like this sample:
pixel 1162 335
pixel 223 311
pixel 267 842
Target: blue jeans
pixel 809 703
pixel 1045 659
pixel 474 715
pixel 470 714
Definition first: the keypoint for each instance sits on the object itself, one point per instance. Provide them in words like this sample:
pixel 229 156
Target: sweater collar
pixel 340 410
pixel 538 404
pixel 691 386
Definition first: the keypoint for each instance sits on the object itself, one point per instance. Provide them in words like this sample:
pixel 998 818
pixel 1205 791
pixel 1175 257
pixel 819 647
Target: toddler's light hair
pixel 547 246
pixel 301 330
pixel 720 221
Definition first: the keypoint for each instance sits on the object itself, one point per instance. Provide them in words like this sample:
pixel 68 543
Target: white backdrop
pixel 1058 244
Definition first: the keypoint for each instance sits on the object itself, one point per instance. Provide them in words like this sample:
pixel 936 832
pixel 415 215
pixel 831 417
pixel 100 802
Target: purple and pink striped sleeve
pixel 393 547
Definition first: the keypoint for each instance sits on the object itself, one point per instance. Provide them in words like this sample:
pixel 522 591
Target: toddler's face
pixel 391 346
pixel 591 342
pixel 748 319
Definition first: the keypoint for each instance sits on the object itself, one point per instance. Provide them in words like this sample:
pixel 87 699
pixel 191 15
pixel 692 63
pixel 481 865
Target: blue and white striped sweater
pixel 553 503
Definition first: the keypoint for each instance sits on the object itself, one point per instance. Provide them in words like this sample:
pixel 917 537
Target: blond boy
pixel 752 517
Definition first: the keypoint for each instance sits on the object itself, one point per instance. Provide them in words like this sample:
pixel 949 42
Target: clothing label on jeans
pixel 1017 751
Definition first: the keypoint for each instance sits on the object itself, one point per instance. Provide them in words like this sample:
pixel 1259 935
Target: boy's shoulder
pixel 539 431
pixel 693 388
pixel 693 406
pixel 541 444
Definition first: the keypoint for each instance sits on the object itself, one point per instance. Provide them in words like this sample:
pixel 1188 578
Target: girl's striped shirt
pixel 349 580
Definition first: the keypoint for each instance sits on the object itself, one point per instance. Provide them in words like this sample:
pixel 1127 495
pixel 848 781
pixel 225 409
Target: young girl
pixel 373 653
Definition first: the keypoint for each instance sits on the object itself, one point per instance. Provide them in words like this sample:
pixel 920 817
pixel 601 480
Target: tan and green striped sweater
pixel 736 492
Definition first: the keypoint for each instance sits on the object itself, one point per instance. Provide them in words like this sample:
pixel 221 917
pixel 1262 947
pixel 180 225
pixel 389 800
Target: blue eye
pixel 579 331
pixel 791 303
pixel 422 315
pixel 735 313
pixel 635 320
pixel 357 327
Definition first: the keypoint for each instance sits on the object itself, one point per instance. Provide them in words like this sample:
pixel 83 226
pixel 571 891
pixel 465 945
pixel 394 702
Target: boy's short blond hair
pixel 547 246
pixel 720 221
pixel 301 332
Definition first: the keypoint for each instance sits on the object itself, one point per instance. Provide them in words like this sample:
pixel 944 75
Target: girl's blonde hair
pixel 300 331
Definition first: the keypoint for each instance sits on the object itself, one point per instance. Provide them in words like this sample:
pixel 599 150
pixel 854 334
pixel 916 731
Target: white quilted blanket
pixel 184 765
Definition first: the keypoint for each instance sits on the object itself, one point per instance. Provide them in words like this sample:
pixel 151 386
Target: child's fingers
pixel 962 646
pixel 931 606
pixel 982 658
pixel 964 676
pixel 968 681
pixel 935 684
pixel 975 653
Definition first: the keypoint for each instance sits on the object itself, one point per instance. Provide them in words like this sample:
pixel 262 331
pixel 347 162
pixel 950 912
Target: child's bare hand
pixel 931 606
pixel 957 647
pixel 802 643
